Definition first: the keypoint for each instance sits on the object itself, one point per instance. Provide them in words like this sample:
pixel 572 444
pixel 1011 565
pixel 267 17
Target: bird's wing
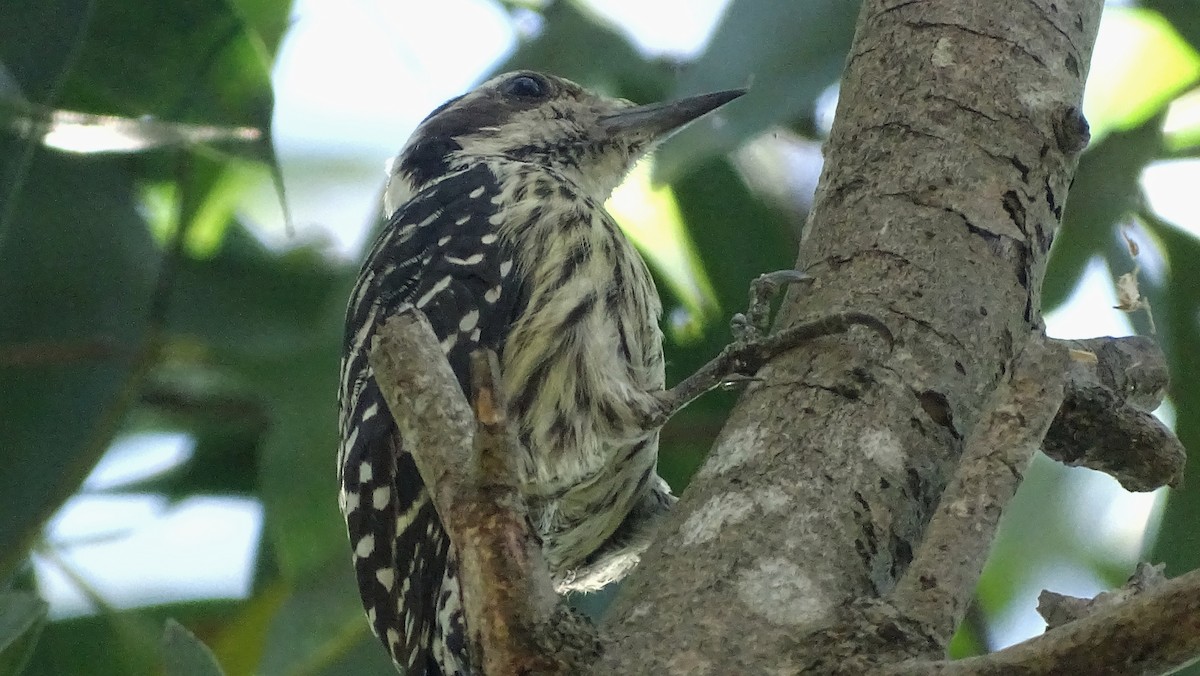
pixel 440 253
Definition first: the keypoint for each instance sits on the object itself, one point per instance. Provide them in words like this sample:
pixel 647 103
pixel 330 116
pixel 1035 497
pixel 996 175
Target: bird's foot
pixel 755 323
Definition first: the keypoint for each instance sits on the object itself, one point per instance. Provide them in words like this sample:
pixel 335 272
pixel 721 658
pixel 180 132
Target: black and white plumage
pixel 497 233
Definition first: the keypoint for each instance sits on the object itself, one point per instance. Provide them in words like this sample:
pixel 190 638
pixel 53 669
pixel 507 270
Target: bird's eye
pixel 526 87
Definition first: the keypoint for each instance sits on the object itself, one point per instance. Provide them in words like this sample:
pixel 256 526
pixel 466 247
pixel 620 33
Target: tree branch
pixel 936 207
pixel 515 622
pixel 1105 422
pixel 1155 632
pixel 747 357
pixel 939 584
pixel 1059 609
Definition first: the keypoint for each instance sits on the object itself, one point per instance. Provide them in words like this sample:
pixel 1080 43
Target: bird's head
pixel 525 116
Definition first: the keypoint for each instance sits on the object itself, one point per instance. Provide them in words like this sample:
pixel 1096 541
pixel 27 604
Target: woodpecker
pixel 496 230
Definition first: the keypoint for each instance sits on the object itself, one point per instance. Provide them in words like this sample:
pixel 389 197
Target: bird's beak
pixel 658 120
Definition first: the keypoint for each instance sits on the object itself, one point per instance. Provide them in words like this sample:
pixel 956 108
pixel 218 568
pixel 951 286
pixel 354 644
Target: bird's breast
pixel 580 364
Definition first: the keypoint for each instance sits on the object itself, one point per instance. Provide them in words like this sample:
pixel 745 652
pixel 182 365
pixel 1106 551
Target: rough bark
pixel 956 137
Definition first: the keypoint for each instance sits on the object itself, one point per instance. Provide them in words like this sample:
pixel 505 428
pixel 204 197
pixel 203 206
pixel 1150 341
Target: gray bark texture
pixel 956 137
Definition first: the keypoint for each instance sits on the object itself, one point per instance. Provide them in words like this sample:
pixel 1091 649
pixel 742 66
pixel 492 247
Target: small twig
pixel 1155 632
pixel 468 461
pixel 746 358
pixel 507 592
pixel 1105 422
pixel 426 401
pixel 1058 609
pixel 938 585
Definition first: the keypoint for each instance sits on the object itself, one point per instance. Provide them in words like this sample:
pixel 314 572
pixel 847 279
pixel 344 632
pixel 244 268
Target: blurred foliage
pixel 135 298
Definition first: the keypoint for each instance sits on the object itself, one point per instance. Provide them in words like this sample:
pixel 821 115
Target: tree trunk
pixel 955 141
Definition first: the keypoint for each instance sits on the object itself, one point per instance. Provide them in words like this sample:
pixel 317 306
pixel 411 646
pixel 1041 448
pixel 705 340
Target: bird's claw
pixel 735 380
pixel 755 323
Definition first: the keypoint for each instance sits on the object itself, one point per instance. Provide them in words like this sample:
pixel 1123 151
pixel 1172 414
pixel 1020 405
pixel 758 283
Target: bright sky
pixel 352 80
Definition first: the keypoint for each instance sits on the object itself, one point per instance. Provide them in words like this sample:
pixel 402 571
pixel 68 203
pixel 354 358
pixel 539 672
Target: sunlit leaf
pixel 1181 128
pixel 650 216
pixel 220 188
pixel 1184 15
pixel 1140 63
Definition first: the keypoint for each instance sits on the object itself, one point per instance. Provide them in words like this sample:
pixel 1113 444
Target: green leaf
pixel 246 302
pixel 1105 190
pixel 193 62
pixel 77 266
pixel 243 638
pixel 1140 63
pixel 186 655
pixel 1184 15
pixel 797 51
pixel 272 326
pixel 1176 303
pixel 322 629
pixel 37 66
pixel 1181 128
pixel 737 236
pixel 109 644
pixel 649 216
pixel 298 484
pixel 736 239
pixel 22 616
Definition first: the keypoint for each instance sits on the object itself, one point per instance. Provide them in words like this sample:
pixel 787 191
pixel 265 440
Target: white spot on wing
pixel 365 472
pixel 430 218
pixel 403 520
pixel 476 193
pixel 492 295
pixel 468 321
pixel 473 259
pixel 381 497
pixel 386 577
pixel 349 501
pixel 365 546
pixel 489 238
pixel 505 267
pixel 442 285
